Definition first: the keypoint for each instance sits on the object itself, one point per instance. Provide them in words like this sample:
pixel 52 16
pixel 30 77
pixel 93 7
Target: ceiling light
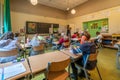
pixel 68 9
pixel 73 11
pixel 34 2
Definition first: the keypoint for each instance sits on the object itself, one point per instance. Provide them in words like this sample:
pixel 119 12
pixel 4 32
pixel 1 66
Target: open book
pixel 11 71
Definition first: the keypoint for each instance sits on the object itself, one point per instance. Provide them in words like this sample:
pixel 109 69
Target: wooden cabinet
pixel 107 40
pixel 110 40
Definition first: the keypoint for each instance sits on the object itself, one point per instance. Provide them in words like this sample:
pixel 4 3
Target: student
pixel 16 36
pixel 6 44
pixel 86 49
pixel 68 31
pixel 75 35
pixel 84 37
pixel 98 39
pixel 34 42
pixel 60 42
pixel 66 39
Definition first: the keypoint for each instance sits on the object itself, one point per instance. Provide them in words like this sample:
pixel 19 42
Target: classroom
pixel 59 39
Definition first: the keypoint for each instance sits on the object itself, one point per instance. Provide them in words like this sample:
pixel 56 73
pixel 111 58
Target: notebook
pixel 11 71
pixel 75 51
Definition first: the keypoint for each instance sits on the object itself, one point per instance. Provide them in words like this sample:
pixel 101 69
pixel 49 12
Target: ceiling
pixel 62 4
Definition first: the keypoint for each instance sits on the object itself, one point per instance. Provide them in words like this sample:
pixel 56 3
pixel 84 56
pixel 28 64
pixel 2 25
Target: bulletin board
pixel 97 25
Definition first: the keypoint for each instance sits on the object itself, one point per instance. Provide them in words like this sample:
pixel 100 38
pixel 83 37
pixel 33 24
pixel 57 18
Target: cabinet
pixel 107 41
pixel 116 37
pixel 110 40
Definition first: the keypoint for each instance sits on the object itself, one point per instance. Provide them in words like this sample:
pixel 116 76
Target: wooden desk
pixel 19 75
pixel 39 62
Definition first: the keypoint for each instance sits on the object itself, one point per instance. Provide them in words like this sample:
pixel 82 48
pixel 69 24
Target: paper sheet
pixel 12 70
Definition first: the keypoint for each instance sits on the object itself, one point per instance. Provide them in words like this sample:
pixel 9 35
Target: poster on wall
pixel 96 25
pixel 31 27
pixel 104 27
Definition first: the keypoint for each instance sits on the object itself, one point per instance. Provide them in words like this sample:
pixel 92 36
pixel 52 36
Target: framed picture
pixel 31 27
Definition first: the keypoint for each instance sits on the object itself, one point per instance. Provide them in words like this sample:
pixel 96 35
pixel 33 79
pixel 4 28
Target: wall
pixel 91 10
pixel 113 15
pixel 93 6
pixel 2 1
pixel 23 10
pixel 18 20
pixel 25 6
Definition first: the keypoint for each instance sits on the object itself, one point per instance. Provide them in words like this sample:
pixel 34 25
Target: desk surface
pixel 20 75
pixel 74 39
pixel 39 63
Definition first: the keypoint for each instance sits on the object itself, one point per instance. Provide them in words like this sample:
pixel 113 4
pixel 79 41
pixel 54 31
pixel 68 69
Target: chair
pixel 65 45
pixel 6 55
pixel 56 70
pixel 37 50
pixel 89 59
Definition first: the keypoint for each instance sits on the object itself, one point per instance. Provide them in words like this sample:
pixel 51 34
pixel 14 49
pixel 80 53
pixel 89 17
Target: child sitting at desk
pixel 7 44
pixel 98 39
pixel 86 48
pixel 34 42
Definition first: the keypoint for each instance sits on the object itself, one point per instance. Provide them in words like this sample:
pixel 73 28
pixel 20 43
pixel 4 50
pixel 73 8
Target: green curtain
pixel 7 20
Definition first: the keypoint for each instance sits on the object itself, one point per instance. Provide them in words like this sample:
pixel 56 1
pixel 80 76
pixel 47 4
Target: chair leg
pixel 98 72
pixel 86 75
pixel 69 72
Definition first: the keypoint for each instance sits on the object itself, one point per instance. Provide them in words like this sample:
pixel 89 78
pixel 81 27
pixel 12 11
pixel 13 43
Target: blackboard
pixel 43 28
pixel 39 27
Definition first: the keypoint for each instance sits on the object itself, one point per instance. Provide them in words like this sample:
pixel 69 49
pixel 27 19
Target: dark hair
pixel 9 35
pixel 97 33
pixel 87 35
pixel 16 34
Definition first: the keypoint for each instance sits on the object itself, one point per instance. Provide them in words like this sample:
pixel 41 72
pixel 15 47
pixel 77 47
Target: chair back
pixel 93 56
pixel 92 61
pixel 66 44
pixel 8 53
pixel 38 48
pixel 58 66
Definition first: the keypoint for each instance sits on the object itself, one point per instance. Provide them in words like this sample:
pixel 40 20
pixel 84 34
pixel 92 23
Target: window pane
pixel 1 18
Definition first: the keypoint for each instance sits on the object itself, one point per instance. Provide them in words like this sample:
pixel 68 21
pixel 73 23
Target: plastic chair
pixel 88 59
pixel 56 70
pixel 7 55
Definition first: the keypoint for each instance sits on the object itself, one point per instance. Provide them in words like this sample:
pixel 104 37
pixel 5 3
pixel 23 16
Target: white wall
pixel 18 20
pixel 113 15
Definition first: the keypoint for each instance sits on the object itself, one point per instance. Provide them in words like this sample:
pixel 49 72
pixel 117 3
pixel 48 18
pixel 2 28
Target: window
pixel 1 17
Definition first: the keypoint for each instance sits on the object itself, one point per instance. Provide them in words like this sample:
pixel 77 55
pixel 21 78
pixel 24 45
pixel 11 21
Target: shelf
pixel 107 39
pixel 109 46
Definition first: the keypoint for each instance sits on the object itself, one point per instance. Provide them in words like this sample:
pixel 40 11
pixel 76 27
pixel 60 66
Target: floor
pixel 106 65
